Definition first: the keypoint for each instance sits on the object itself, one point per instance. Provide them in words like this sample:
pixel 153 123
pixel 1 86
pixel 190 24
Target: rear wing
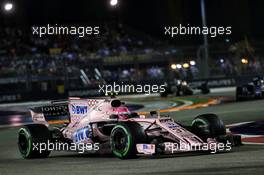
pixel 63 111
pixel 56 112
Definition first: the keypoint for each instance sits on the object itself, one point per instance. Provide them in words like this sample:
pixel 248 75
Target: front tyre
pixel 208 126
pixel 124 138
pixel 29 138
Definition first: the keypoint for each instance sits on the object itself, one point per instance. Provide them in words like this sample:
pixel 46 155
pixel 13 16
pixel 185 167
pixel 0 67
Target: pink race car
pixel 100 122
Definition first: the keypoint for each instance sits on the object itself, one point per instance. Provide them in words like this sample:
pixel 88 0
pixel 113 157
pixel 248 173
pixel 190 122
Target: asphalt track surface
pixel 247 159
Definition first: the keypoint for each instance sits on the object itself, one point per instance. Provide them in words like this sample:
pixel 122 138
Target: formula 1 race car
pixel 178 88
pixel 251 90
pixel 181 87
pixel 109 121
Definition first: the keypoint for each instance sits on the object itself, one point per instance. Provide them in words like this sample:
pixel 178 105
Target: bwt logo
pixel 79 109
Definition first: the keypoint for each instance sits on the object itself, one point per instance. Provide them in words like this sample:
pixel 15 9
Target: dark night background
pixel 245 16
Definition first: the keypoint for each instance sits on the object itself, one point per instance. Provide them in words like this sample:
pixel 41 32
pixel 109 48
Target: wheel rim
pixel 24 143
pixel 120 141
pixel 201 126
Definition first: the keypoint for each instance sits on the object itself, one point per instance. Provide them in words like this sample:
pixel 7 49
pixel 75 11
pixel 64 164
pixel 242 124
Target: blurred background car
pixel 252 90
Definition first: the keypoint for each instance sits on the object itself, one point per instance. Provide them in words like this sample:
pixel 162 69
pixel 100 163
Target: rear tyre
pixel 258 96
pixel 239 98
pixel 204 88
pixel 124 138
pixel 165 93
pixel 187 91
pixel 29 138
pixel 238 92
pixel 208 126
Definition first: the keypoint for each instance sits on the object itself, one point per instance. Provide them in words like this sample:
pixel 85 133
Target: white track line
pixel 223 89
pixel 244 135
